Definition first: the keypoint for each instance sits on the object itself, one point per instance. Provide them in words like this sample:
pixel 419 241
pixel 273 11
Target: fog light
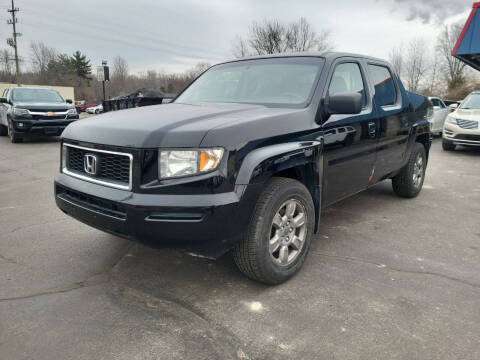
pixel 20 124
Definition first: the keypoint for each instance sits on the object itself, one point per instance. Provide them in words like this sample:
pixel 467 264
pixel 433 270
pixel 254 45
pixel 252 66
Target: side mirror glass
pixel 344 103
pixel 68 101
pixel 3 100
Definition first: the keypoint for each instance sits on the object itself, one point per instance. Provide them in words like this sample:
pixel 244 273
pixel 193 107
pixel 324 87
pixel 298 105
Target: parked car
pixel 84 106
pixel 29 111
pixel 462 126
pixel 440 112
pixel 452 104
pixel 249 167
pixel 95 109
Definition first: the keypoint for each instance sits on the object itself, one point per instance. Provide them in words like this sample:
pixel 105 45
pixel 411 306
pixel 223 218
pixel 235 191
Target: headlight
pixel 451 120
pixel 176 163
pixel 72 111
pixel 21 112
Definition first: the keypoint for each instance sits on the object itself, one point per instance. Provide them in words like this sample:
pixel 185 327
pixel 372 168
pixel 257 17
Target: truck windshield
pixel 36 95
pixel 285 81
pixel 471 102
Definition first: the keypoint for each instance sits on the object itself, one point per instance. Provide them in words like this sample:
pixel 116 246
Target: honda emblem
pixel 90 164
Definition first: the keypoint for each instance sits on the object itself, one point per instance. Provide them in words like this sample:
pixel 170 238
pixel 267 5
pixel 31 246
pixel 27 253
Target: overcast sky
pixel 174 35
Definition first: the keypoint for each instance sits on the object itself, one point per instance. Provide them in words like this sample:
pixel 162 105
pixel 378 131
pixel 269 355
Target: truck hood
pixel 467 114
pixel 43 106
pixel 167 125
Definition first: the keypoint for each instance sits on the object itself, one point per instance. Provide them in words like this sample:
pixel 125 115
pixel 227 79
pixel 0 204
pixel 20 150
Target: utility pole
pixel 13 41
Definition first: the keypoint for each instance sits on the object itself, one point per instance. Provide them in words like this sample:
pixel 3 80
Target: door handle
pixel 372 129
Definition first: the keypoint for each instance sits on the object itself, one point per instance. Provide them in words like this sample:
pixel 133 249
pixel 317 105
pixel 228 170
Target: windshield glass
pixel 36 95
pixel 276 81
pixel 471 102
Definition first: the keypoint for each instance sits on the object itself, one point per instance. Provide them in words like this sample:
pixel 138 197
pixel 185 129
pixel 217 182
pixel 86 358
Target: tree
pixel 6 65
pixel 415 64
pixel 41 56
pixel 81 65
pixel 454 69
pixel 396 59
pixel 272 36
pixel 120 69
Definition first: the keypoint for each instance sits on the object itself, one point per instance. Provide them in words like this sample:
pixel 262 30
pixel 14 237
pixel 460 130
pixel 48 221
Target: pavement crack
pixel 7 259
pixel 76 286
pixel 406 271
pixel 87 282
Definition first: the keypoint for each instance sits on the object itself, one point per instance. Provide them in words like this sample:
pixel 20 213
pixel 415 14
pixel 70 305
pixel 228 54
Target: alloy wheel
pixel 288 232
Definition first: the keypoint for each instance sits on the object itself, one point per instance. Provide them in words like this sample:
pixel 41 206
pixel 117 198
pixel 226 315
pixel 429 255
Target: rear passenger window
pixel 385 91
pixel 347 78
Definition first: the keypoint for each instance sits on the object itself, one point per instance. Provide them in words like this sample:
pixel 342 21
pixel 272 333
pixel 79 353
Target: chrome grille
pixel 112 168
pixel 467 124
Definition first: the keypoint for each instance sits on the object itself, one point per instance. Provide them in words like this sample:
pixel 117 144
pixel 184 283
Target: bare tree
pixel 41 56
pixel 454 69
pixel 415 64
pixel 6 65
pixel 272 36
pixel 396 59
pixel 120 69
pixel 300 36
pixel 324 42
pixel 268 37
pixel 240 47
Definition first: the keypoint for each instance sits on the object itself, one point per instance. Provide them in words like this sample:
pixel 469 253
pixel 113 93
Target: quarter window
pixel 347 78
pixel 385 90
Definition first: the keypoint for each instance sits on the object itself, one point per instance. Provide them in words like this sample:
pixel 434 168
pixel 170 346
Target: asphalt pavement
pixel 386 278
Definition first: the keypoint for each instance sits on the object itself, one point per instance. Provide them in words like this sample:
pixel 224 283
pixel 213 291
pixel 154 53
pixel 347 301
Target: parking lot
pixel 386 278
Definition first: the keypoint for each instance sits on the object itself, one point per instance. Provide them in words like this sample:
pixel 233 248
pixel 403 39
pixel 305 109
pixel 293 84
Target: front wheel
pixel 3 130
pixel 448 145
pixel 14 138
pixel 409 181
pixel 280 232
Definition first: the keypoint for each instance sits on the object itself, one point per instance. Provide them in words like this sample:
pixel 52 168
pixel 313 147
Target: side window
pixel 347 78
pixel 385 90
pixel 435 102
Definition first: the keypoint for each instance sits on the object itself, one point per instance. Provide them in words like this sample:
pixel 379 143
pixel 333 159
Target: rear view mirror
pixel 345 103
pixel 68 101
pixel 3 100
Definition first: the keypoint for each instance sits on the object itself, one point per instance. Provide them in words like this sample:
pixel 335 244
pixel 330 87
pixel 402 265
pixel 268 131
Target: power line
pixel 13 40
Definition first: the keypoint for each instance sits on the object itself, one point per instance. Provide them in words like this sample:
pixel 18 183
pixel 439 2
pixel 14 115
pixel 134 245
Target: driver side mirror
pixel 453 106
pixel 68 101
pixel 344 103
pixel 3 100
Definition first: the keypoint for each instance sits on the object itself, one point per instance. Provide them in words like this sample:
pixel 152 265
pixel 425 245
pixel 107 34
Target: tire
pixel 14 138
pixel 97 111
pixel 253 254
pixel 448 145
pixel 3 130
pixel 409 181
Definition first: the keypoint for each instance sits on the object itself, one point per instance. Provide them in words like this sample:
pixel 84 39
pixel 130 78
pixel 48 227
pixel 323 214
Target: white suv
pixel 462 127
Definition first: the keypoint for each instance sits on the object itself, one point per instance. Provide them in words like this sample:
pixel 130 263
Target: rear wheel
pixel 279 234
pixel 448 145
pixel 409 181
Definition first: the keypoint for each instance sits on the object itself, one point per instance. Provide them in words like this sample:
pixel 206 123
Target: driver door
pixel 349 140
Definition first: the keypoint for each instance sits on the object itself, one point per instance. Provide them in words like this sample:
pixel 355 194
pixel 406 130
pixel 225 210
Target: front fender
pixel 263 163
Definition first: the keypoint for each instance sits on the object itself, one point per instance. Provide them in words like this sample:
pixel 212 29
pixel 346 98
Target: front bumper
pixel 460 136
pixel 28 127
pixel 207 224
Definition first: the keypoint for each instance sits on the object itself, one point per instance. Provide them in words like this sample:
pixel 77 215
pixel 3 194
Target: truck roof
pixel 327 55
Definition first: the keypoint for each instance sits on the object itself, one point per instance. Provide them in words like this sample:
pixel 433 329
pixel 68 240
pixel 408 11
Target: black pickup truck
pixel 34 111
pixel 246 157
